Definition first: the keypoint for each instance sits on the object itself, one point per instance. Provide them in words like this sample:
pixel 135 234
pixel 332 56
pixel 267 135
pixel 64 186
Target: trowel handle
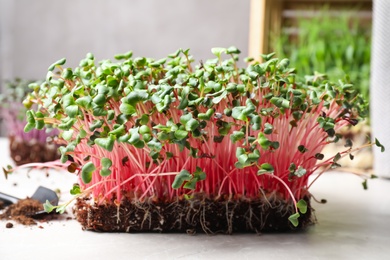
pixel 8 199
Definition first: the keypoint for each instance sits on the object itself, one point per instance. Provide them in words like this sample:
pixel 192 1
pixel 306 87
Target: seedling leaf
pixel 180 178
pixel 302 206
pixel 86 172
pixel 294 219
pixel 48 207
pixel 377 143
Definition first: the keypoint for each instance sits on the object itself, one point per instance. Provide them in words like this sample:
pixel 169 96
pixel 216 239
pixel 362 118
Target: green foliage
pixel 339 46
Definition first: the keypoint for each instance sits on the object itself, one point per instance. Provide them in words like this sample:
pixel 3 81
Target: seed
pixel 9 225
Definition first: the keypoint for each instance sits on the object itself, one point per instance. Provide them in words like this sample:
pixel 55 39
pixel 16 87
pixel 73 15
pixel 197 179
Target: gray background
pixel 34 34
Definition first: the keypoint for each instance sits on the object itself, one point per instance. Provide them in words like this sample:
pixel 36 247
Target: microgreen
pixel 168 128
pixel 24 125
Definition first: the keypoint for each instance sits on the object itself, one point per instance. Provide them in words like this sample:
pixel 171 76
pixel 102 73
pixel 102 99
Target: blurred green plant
pixel 338 46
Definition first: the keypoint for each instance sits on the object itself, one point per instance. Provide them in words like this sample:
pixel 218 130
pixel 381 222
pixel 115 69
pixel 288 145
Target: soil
pixel 23 151
pixel 191 215
pixel 21 211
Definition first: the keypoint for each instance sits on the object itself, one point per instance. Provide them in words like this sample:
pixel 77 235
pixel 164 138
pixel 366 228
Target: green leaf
pixel 61 208
pixel 155 145
pixel 377 143
pixel 237 136
pixel 67 135
pixel 30 118
pixel 67 123
pixel 84 102
pixel 294 219
pixel 99 99
pixel 96 124
pixel 181 134
pixel 192 124
pixel 218 99
pixel 72 111
pixel 337 157
pixel 118 131
pixel 292 168
pixel 106 162
pixel 364 183
pixel 57 63
pixel 180 178
pixel 263 141
pixel 185 118
pixel 237 113
pixel 326 123
pixel 48 207
pixel 39 123
pixel 268 167
pixel 199 174
pixel 302 149
pixel 29 127
pixel 319 156
pixel 280 102
pixel 233 50
pixel 86 172
pixel 191 184
pixel 75 189
pixel 207 115
pixel 243 159
pixel 253 157
pixel 137 96
pixel 106 143
pixel 302 206
pixel 265 168
pixel 144 129
pixel 127 109
pixel 218 51
pixel 300 171
pixel 99 111
pixel 105 172
pixel 268 128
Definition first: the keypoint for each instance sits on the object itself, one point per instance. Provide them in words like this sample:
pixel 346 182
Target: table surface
pixel 353 224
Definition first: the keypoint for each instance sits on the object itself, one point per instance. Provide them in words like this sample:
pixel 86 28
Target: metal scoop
pixel 41 194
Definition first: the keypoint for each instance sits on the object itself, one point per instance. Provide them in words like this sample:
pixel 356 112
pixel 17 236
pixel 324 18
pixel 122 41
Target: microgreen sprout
pixel 166 129
pixel 15 118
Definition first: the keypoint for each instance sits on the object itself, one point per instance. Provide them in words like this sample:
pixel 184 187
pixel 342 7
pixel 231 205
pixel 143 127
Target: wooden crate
pixel 269 17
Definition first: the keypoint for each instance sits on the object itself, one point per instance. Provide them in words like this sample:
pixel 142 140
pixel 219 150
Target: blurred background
pixel 324 36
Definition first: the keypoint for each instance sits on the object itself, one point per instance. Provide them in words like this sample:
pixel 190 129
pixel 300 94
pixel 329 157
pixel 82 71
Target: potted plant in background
pixel 340 47
pixel 35 146
pixel 163 145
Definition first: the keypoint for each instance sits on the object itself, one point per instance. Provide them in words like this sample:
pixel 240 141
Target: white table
pixel 354 224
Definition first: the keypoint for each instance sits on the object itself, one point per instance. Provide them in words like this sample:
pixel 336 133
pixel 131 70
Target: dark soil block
pixel 23 151
pixel 191 215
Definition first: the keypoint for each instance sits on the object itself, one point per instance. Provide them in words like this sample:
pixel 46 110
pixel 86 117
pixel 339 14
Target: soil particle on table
pixel 191 216
pixel 9 225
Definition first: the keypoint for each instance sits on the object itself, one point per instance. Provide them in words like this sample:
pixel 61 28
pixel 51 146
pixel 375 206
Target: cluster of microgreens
pixel 13 112
pixel 165 129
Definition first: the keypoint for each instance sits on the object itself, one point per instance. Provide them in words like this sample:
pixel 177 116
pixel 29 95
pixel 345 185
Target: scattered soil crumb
pixel 21 211
pixel 9 225
pixel 1 205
